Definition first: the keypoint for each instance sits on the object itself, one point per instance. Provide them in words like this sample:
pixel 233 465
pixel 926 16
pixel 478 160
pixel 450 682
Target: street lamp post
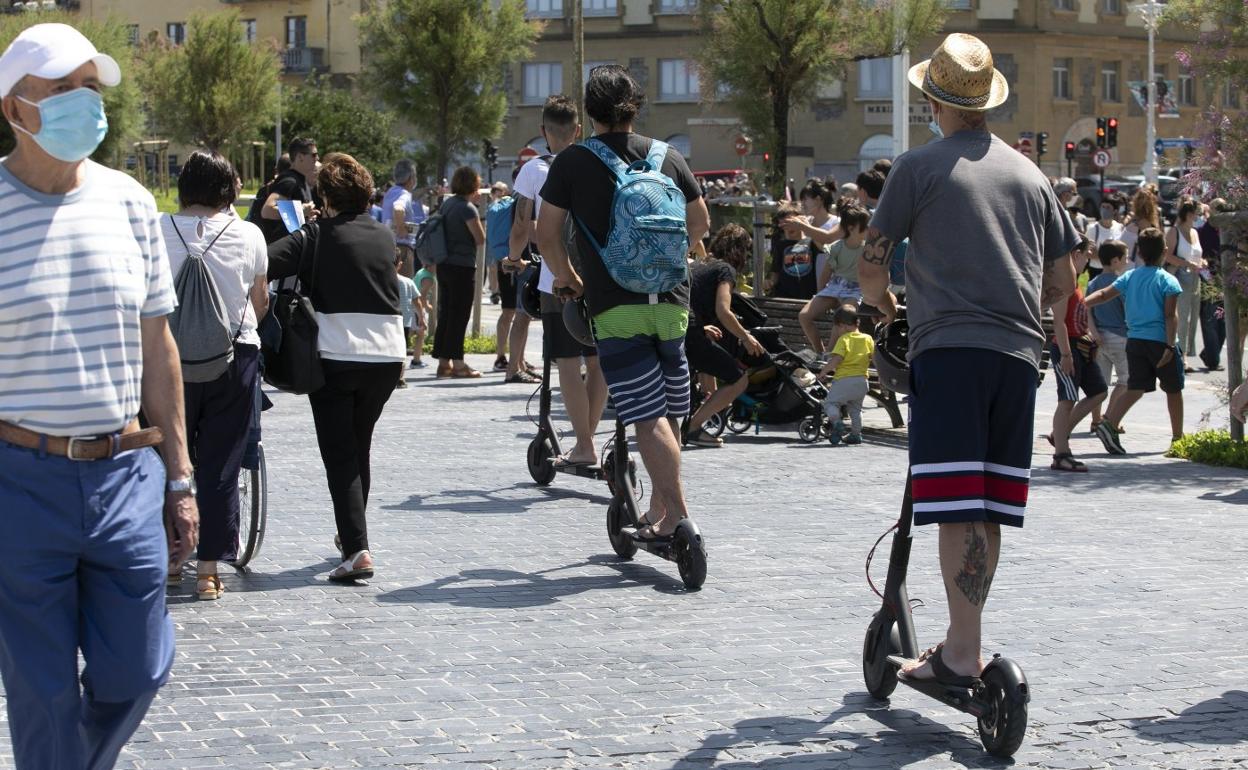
pixel 1150 12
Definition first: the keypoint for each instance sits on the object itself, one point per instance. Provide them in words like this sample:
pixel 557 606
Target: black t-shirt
pixel 461 247
pixel 291 185
pixel 704 281
pixel 793 263
pixel 582 184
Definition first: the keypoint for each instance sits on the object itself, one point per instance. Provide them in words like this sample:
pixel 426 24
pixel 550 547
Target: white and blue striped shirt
pixel 77 271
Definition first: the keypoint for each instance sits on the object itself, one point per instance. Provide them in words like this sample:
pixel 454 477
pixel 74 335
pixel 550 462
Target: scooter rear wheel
pixel 690 553
pixel 621 541
pixel 540 467
pixel 1004 722
pixel 883 639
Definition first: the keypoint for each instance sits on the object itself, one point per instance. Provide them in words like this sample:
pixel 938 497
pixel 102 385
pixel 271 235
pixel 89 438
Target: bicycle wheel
pixel 253 509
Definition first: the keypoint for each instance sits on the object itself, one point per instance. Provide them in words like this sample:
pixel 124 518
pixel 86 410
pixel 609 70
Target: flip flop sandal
pixel 646 534
pixel 941 673
pixel 1066 461
pixel 563 463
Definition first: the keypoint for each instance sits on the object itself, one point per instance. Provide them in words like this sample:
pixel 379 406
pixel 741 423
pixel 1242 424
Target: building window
pixel 249 30
pixel 1230 96
pixel 548 8
pixel 589 67
pixel 132 34
pixel 599 7
pixel 678 6
pixel 678 80
pixel 1109 82
pixel 176 32
pixel 1187 90
pixel 682 144
pixel 541 79
pixel 958 5
pixel 1113 7
pixel 1061 78
pixel 875 79
pixel 296 31
pixel 1063 5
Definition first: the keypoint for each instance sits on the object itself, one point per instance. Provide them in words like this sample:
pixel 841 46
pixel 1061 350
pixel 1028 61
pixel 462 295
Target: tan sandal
pixel 209 587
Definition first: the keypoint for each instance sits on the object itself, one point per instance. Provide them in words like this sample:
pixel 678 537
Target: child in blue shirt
pixel 1152 300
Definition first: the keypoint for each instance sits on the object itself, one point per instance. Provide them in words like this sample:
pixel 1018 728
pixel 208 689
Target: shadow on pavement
pixel 471 501
pixel 496 588
pixel 911 738
pixel 1218 721
pixel 1107 470
pixel 1234 498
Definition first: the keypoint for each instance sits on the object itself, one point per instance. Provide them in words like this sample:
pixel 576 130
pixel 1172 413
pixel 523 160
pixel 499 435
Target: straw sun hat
pixel 960 74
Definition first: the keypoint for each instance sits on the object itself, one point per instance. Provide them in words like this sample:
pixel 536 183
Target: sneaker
pixel 836 433
pixel 701 438
pixel 400 385
pixel 495 298
pixel 523 378
pixel 1109 438
pixel 418 364
pixel 500 364
pixel 853 438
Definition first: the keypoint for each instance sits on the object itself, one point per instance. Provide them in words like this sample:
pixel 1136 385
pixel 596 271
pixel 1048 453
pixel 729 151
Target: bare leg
pixel 718 401
pixel 1069 414
pixel 1174 405
pixel 968 563
pixel 502 332
pixel 418 348
pixel 518 338
pixel 814 309
pixel 1119 408
pixel 660 452
pixel 576 400
pixel 596 387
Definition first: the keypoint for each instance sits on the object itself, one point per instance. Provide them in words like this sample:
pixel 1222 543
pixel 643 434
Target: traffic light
pixel 1070 151
pixel 766 157
pixel 1111 132
pixel 489 153
pixel 1042 143
pixel 1100 132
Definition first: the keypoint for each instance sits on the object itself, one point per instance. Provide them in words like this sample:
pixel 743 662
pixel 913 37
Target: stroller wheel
pixel 715 425
pixel 808 429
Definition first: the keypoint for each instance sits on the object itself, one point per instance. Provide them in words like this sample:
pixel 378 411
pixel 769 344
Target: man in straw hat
pixel 989 249
pixel 85 293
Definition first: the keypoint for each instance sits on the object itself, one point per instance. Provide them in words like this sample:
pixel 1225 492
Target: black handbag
pixel 293 364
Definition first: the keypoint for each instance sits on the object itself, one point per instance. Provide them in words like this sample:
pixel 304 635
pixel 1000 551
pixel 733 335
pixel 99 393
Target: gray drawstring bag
pixel 200 324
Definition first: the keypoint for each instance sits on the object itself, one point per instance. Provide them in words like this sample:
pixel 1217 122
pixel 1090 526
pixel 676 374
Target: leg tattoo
pixel 973 579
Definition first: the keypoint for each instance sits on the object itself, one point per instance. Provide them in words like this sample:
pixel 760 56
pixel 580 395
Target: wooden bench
pixel 783 313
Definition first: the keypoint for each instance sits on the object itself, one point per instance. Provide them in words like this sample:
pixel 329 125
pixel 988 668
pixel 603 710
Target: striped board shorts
pixel 971 423
pixel 641 349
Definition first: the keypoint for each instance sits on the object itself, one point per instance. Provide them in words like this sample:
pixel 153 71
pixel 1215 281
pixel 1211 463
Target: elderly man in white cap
pixel 989 249
pixel 84 497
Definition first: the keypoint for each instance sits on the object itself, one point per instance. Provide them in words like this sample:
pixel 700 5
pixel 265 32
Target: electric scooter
pixel 999 696
pixel 685 547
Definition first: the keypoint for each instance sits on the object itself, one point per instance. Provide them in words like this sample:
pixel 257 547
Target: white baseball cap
pixel 52 51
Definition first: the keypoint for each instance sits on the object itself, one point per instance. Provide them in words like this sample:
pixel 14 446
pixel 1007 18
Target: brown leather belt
pixel 83 447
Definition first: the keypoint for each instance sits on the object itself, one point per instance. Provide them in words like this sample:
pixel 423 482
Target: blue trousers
pixel 83 562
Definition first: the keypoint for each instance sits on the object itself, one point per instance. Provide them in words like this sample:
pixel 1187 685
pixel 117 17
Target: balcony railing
pixel 302 60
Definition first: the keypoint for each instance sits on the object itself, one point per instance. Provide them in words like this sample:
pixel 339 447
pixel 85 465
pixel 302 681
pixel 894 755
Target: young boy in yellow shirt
pixel 851 355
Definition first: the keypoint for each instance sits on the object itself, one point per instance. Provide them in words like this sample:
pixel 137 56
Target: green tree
pixel 772 56
pixel 441 64
pixel 215 89
pixel 121 104
pixel 341 120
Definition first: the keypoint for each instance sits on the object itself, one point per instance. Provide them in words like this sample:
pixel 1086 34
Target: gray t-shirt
pixel 982 221
pixel 461 247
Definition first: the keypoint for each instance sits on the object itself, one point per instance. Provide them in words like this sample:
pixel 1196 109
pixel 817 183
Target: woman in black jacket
pixel 352 284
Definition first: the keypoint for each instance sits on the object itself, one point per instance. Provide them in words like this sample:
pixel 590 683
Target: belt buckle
pixel 69 448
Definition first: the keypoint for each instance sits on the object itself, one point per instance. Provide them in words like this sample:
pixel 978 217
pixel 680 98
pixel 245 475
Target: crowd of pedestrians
pixel 166 433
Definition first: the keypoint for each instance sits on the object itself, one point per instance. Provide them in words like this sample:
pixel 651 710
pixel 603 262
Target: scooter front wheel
pixel 883 639
pixel 690 554
pixel 1004 721
pixel 621 541
pixel 540 467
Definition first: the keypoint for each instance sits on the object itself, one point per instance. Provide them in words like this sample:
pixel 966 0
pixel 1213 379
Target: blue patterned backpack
pixel 647 240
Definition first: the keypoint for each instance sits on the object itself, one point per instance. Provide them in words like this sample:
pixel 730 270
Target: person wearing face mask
pixel 91 516
pixel 1107 228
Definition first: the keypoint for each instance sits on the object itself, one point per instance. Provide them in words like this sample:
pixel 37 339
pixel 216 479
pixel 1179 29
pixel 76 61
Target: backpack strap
pixel 657 154
pixel 607 156
pixel 246 293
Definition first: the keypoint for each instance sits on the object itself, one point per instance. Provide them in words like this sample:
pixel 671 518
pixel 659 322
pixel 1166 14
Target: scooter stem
pixel 896 599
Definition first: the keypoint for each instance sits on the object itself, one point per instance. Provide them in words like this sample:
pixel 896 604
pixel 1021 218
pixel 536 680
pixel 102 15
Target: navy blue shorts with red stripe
pixel 971 421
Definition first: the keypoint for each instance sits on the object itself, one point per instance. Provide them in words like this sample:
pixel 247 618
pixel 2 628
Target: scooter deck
pixel 584 471
pixel 961 698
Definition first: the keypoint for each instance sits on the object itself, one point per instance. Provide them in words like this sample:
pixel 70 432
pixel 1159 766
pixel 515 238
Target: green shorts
pixel 641 349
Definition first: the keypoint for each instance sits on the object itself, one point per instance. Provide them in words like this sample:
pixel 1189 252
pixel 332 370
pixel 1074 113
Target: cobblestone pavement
pixel 501 632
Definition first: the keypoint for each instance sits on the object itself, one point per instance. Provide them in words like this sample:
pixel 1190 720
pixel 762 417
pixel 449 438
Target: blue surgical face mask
pixel 1200 222
pixel 71 125
pixel 934 127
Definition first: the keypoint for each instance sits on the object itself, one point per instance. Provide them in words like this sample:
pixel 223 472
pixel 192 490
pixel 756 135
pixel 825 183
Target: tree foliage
pixel 342 120
pixel 441 65
pixel 121 104
pixel 215 89
pixel 772 56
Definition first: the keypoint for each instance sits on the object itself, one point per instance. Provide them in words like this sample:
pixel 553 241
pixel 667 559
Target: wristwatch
pixel 180 486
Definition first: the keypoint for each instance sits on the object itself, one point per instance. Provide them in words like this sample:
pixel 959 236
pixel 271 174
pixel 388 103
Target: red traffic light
pixel 1113 122
pixel 1069 147
pixel 767 157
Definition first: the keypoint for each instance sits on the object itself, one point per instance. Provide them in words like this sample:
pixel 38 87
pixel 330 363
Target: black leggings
pixel 456 285
pixel 345 411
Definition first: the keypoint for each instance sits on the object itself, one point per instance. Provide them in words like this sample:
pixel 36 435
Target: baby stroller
pixel 782 387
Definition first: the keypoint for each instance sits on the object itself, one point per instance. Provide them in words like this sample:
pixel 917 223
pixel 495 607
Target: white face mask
pixel 935 128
